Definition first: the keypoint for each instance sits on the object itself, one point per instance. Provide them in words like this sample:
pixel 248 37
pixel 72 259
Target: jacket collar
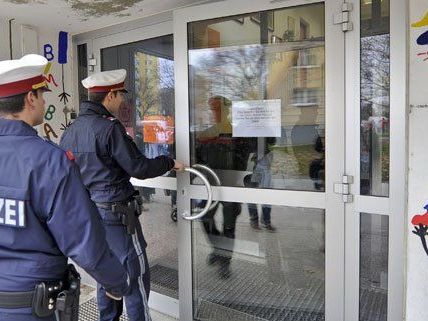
pixel 16 128
pixel 91 108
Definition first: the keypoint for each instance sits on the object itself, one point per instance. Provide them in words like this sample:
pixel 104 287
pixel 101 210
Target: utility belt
pixel 128 211
pixel 48 297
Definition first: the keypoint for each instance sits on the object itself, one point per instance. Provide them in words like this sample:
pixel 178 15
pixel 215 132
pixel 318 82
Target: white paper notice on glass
pixel 256 118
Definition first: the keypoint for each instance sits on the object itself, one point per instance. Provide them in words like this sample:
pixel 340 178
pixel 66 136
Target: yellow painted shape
pixel 47 68
pixel 421 23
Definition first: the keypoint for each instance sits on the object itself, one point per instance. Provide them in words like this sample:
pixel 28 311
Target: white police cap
pixel 22 75
pixel 106 81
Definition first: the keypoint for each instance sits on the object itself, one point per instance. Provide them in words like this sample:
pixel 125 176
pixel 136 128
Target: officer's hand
pixel 178 166
pixel 111 296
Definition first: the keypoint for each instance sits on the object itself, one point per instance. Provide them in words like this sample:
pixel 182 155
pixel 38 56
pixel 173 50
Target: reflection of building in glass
pixel 244 59
pixel 154 87
pixel 147 84
pixel 240 66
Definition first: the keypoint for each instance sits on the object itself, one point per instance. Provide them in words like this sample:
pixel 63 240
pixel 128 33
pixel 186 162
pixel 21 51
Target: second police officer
pixel 108 158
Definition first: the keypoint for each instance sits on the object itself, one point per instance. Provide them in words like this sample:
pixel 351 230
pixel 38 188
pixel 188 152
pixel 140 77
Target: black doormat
pixel 89 311
pixel 164 280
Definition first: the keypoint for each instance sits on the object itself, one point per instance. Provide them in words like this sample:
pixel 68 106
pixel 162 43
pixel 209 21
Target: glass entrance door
pixel 149 117
pixel 264 91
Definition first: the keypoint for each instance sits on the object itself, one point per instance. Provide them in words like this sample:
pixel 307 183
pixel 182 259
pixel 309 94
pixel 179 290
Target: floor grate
pixel 89 311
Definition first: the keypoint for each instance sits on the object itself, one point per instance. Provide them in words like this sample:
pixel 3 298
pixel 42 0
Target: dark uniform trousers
pixel 131 251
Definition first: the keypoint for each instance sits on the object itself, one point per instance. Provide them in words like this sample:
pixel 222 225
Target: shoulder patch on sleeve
pixel 59 149
pixel 70 155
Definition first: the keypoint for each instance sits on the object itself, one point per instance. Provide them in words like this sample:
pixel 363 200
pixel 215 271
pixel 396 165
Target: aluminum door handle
pixel 207 207
pixel 214 175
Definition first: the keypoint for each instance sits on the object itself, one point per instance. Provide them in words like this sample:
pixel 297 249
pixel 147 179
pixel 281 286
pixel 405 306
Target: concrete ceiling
pixel 77 16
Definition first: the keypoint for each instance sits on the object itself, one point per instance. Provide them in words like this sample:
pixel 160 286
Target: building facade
pixel 311 115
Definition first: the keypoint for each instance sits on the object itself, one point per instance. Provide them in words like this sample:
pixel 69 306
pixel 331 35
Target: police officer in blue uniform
pixel 46 214
pixel 108 158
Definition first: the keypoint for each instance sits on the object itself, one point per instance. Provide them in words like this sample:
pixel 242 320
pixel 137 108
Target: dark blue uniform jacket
pixel 107 156
pixel 46 215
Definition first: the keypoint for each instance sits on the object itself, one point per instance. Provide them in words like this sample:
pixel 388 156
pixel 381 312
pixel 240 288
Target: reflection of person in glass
pixel 261 178
pixel 317 166
pixel 216 148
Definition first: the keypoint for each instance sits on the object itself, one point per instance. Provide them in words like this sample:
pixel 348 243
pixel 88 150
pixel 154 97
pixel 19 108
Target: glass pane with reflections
pixel 257 98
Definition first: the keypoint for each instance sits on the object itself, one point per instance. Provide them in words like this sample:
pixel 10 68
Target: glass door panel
pixel 257 98
pixel 149 117
pixel 260 97
pixel 245 272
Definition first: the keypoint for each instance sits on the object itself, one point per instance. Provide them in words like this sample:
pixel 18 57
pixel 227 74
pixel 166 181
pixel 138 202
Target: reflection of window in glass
pixel 375 98
pixel 238 63
pixel 305 97
pixel 304 29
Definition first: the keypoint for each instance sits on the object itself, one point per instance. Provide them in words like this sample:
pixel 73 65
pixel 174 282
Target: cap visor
pixel 122 90
pixel 45 88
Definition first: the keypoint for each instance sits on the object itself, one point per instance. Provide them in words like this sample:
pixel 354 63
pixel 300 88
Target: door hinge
pixel 92 62
pixel 344 188
pixel 344 17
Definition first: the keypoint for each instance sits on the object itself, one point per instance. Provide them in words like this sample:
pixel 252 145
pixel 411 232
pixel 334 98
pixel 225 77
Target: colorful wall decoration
pixel 422 39
pixel 420 223
pixel 417 216
pixel 55 75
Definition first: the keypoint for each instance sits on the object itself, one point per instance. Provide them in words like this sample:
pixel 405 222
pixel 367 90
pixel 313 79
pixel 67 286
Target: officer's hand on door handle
pixel 178 166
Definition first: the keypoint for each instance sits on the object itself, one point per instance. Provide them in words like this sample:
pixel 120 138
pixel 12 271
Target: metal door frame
pixel 335 151
pixel 394 206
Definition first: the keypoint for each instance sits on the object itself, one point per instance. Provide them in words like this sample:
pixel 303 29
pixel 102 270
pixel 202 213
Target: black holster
pixel 44 298
pixel 138 200
pixel 67 302
pixel 60 296
pixel 127 214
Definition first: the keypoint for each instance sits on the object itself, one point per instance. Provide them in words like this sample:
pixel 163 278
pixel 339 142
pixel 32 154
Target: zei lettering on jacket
pixel 12 213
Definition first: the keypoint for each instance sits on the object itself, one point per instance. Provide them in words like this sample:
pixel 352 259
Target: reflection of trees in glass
pixel 375 102
pixel 237 73
pixel 154 85
pixel 375 72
